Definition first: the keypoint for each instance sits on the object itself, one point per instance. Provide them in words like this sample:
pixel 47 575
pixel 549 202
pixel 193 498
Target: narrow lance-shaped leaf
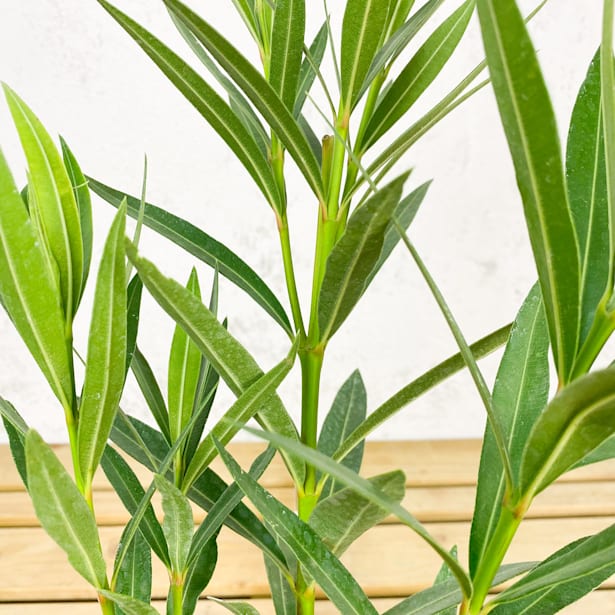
pixel 129 605
pixel 444 575
pixel 337 583
pixel 287 49
pixel 201 246
pixel 29 291
pixel 133 309
pixel 63 511
pixel 135 576
pixel 529 123
pixel 16 429
pixel 256 88
pixel 239 608
pixel 419 73
pixel 362 29
pixel 57 209
pixel 206 101
pixel 228 357
pixel 106 359
pixel 309 67
pixel 198 576
pixel 520 394
pixel 354 256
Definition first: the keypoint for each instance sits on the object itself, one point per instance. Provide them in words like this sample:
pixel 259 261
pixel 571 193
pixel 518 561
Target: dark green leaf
pixel 605 451
pixel 282 594
pixel 63 511
pixel 135 576
pixel 354 256
pixel 309 67
pixel 16 443
pixel 444 575
pixel 530 127
pixel 344 516
pixel 203 247
pixel 198 576
pixel 133 308
pixel 519 396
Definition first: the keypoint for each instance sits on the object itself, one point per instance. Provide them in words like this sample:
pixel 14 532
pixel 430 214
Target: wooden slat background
pixel 35 577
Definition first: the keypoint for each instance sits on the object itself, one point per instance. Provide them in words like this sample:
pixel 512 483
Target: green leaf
pixel 354 256
pixel 337 583
pixel 587 191
pixel 201 246
pixel 419 73
pixel 605 451
pixel 347 412
pixel 344 516
pixel 50 188
pixel 106 360
pixel 29 292
pixel 184 369
pixel 239 608
pixel 562 578
pixel 282 594
pixel 227 356
pixel 178 523
pixel 133 308
pixel 369 491
pixel 198 576
pixel 417 387
pixel 309 67
pixel 255 397
pixel 444 575
pixel 245 8
pixel 84 205
pixel 362 29
pixel 256 88
pixel 434 600
pixel 529 123
pixel 206 101
pixel 130 606
pixel 130 491
pixel 519 396
pixel 135 576
pixel 16 444
pixel 578 419
pixel 63 511
pixel 287 49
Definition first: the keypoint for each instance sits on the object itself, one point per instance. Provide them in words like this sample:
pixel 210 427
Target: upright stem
pixel 177 594
pixel 289 272
pixel 106 606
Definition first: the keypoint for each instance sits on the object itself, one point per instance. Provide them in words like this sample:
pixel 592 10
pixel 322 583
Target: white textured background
pixel 87 80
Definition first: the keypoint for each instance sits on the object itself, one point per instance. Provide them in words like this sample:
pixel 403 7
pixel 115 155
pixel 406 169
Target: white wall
pixel 88 81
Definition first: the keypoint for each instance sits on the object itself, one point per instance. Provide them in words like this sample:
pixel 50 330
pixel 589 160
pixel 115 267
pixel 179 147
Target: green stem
pixel 289 272
pixel 177 594
pixel 71 426
pixel 106 606
pixel 337 163
pixel 306 598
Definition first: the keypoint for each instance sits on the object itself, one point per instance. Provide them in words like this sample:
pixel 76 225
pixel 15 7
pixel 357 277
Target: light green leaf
pixel 246 9
pixel 344 516
pixel 106 359
pixel 369 491
pixel 562 578
pixel 419 73
pixel 354 256
pixel 178 523
pixel 130 606
pixel 309 67
pixel 63 511
pixel 255 397
pixel 605 451
pixel 50 188
pixel 256 88
pixel 520 394
pixel 29 292
pixel 337 583
pixel 135 576
pixel 203 247
pixel 206 101
pixel 347 412
pixel 530 127
pixel 227 356
pixel 578 419
pixel 287 49
pixel 239 608
pixel 362 29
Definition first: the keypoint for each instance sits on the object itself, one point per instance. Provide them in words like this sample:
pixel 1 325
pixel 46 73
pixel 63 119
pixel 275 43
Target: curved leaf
pixel 16 429
pixel 239 608
pixel 130 606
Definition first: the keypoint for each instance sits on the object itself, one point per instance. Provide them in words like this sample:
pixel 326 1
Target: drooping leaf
pixel 520 394
pixel 256 88
pixel 347 412
pixel 227 356
pixel 50 188
pixel 130 491
pixel 287 49
pixel 63 511
pixel 133 308
pixel 198 576
pixel 135 575
pixel 562 578
pixel 362 29
pixel 344 516
pixel 206 101
pixel 337 583
pixel 106 359
pixel 130 606
pixel 419 73
pixel 354 256
pixel 309 67
pixel 587 191
pixel 29 291
pixel 201 246
pixel 239 608
pixel 578 419
pixel 529 124
pixel 18 450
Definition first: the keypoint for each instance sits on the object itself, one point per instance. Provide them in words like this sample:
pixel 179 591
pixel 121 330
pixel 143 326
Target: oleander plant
pixel 363 210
